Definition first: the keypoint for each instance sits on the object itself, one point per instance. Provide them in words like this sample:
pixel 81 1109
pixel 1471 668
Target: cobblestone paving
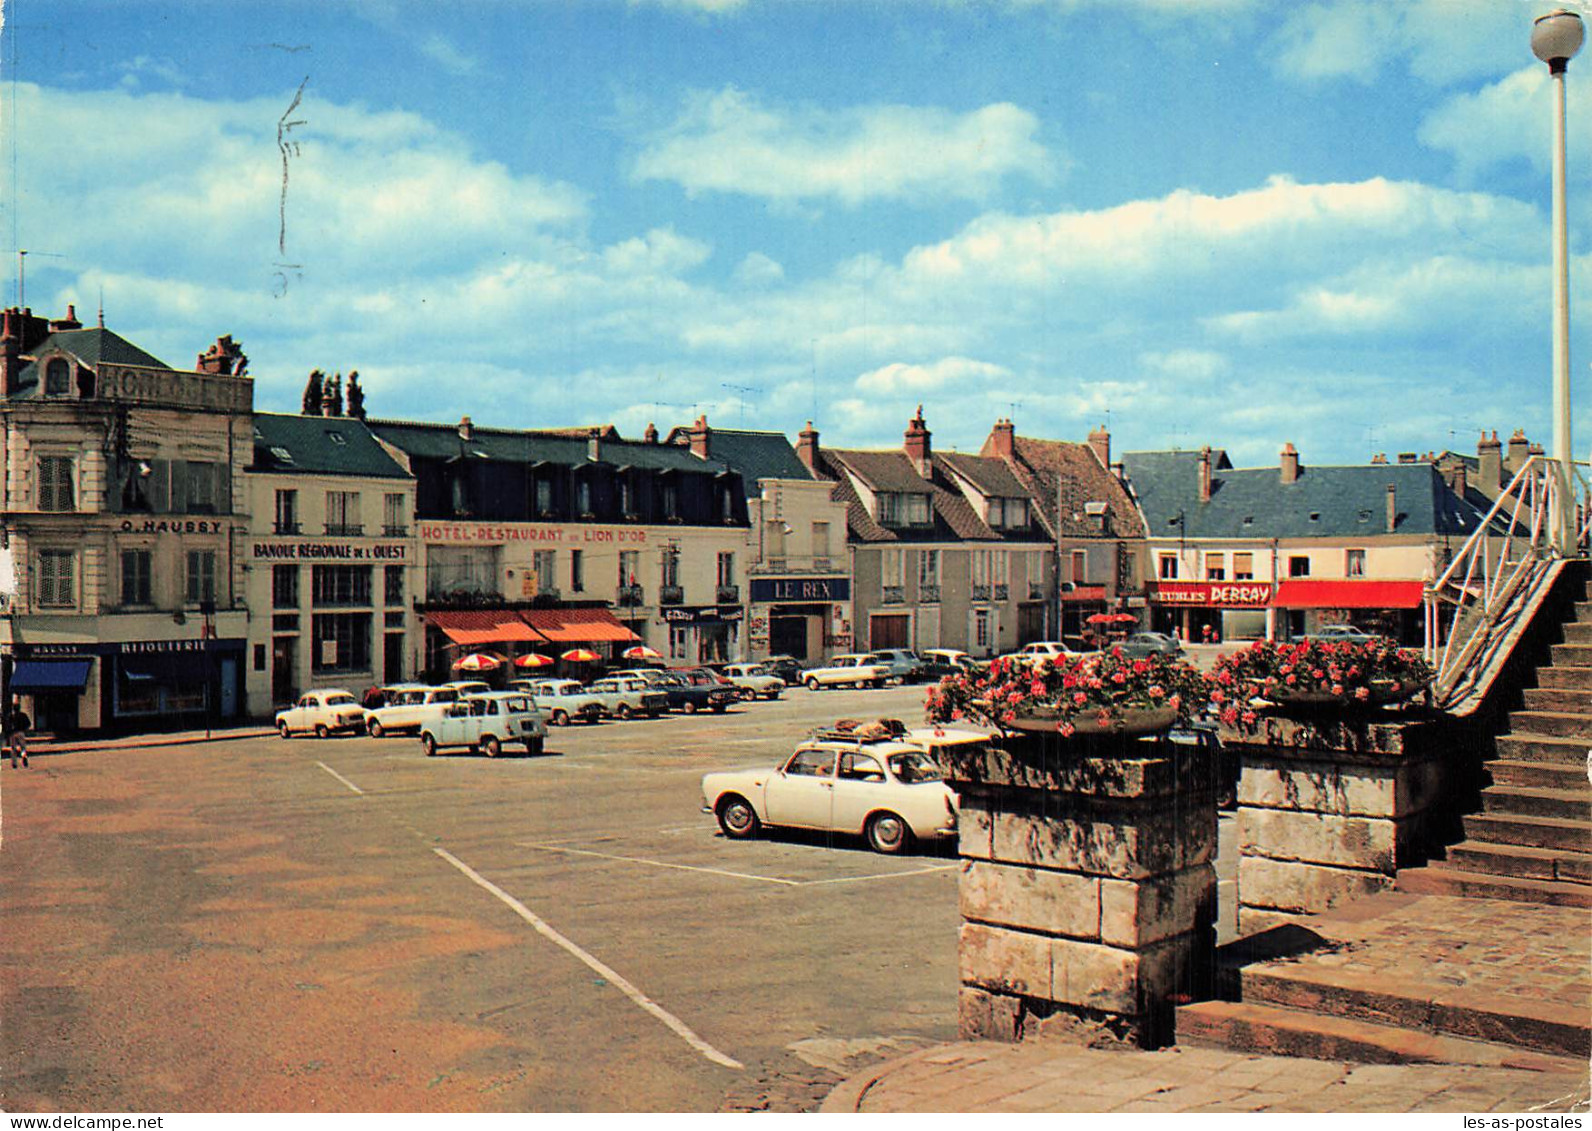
pixel 1041 1075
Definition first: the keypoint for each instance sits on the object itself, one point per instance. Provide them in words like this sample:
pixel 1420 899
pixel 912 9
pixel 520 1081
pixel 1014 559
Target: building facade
pixel 332 563
pixel 126 519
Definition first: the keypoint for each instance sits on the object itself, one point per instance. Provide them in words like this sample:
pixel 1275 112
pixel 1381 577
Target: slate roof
pixel 91 346
pixel 1043 466
pixel 953 518
pixel 1324 502
pixel 441 441
pixel 753 455
pixel 991 477
pixel 311 449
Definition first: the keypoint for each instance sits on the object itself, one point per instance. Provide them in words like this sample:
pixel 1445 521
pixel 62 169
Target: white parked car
pixel 563 701
pixel 329 710
pixel 888 791
pixel 407 707
pixel 754 680
pixel 485 723
pixel 625 698
pixel 859 670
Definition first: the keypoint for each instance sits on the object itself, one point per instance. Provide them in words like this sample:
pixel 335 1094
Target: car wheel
pixel 321 731
pixel 737 817
pixel 559 718
pixel 376 729
pixel 491 746
pixel 429 745
pixel 812 685
pixel 624 711
pixel 281 728
pixel 888 833
pixel 772 695
pixel 689 707
pixel 718 708
pixel 534 747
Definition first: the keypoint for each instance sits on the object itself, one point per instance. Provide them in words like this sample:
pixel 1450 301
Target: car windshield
pixel 911 767
pixel 518 706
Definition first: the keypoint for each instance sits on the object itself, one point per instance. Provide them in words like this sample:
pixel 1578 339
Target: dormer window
pixel 1008 514
pixel 899 509
pixel 57 377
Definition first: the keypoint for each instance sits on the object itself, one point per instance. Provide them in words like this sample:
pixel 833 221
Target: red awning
pixel 1084 593
pixel 579 626
pixel 485 626
pixel 1303 593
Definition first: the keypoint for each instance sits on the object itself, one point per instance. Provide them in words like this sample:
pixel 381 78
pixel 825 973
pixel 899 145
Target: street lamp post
pixel 1555 38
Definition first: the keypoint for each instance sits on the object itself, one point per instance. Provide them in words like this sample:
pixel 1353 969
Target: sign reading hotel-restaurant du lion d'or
pixel 1219 594
pixel 492 532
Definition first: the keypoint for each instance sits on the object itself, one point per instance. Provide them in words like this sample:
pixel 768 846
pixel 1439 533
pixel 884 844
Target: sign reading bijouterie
pixel 1214 594
pixel 331 551
pixel 530 532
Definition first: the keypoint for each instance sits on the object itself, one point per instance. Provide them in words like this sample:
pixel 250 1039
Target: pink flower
pixel 1362 693
pixel 1066 730
pixel 1176 702
pixel 1119 677
pixel 1337 689
pixel 1080 698
pixel 1291 680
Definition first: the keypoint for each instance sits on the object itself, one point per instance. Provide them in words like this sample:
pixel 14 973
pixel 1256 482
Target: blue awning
pixel 50 675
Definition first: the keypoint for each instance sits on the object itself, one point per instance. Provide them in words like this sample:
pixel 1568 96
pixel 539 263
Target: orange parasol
pixel 478 662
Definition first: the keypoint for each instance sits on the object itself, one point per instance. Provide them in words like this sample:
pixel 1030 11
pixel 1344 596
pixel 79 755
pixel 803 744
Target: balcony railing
pixel 631 596
pixel 728 595
pixel 671 595
pixel 895 595
pixel 1036 591
pixel 287 528
pixel 929 594
pixel 981 592
pixel 395 530
pixel 345 529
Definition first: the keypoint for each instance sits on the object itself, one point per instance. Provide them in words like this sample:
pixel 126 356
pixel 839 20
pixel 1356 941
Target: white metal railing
pixel 1538 520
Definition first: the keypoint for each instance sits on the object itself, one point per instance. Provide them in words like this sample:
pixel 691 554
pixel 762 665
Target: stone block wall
pixel 1087 885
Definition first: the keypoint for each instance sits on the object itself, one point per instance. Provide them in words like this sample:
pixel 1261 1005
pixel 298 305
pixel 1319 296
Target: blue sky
pixel 1231 222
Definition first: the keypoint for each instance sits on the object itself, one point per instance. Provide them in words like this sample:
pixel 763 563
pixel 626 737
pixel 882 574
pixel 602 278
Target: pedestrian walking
pixel 16 736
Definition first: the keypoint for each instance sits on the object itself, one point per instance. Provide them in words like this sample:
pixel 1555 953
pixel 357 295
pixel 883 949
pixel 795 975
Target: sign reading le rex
pixel 801 588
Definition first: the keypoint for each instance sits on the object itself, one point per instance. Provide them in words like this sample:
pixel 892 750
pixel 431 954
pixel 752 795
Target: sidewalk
pixel 1053 1075
pixel 50 744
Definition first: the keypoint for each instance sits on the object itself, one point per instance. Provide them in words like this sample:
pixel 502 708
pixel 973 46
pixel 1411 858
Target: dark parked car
pixel 788 668
pixel 1340 634
pixel 941 662
pixel 1142 644
pixel 905 665
pixel 691 696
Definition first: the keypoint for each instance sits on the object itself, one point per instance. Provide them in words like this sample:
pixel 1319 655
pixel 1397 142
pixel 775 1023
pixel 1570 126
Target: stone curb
pixel 848 1095
pixel 145 741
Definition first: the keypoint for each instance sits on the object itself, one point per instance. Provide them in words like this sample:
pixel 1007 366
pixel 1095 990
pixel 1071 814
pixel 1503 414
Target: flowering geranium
pixel 1367 672
pixel 1099 688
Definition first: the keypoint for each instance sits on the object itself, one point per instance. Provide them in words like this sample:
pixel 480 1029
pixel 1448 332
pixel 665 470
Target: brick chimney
pixel 1379 459
pixel 20 334
pixel 807 447
pixel 650 436
pixel 1519 449
pixel 1458 478
pixel 1290 463
pixel 70 322
pixel 700 437
pixel 594 445
pixel 466 429
pixel 1392 508
pixel 1490 473
pixel 1100 441
pixel 1205 474
pixel 917 445
pixel 1002 440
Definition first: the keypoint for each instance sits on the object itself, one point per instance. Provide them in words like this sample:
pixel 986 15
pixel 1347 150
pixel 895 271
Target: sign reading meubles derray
pixel 492 532
pixel 1221 594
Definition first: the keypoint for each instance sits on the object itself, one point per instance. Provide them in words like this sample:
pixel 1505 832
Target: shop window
pixel 285 587
pixel 56 483
pixel 341 642
pixel 1168 567
pixel 394 585
pixel 1354 563
pixel 333 585
pixel 201 577
pixel 1215 567
pixel 457 571
pixel 1243 567
pixel 137 586
pixel 57 578
pixel 1299 566
pixel 677 641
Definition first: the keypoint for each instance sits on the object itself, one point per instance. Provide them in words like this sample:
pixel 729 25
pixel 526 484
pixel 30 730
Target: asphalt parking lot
pixel 345 924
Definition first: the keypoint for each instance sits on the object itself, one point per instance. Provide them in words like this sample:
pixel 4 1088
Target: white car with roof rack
pixel 859 669
pixel 486 722
pixel 887 790
pixel 407 707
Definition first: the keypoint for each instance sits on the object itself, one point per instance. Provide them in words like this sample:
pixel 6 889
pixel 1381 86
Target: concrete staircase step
pixel 1578 632
pixel 1558 724
pixel 1576 655
pixel 1574 701
pixel 1441 879
pixel 1514 862
pixel 1532 801
pixel 1537 775
pixel 1583 612
pixel 1454 1011
pixel 1557 749
pixel 1533 832
pixel 1565 676
pixel 1278 1031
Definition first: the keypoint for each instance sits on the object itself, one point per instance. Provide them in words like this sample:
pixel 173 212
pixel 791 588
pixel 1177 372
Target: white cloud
pixel 1193 364
pixel 758 270
pixel 441 50
pixel 1442 41
pixel 660 252
pixel 1508 120
pixel 953 374
pixel 728 141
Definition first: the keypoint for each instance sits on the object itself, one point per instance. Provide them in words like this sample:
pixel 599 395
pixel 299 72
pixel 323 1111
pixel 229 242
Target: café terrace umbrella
pixel 642 652
pixel 580 656
pixel 533 660
pixel 478 662
pixel 1101 618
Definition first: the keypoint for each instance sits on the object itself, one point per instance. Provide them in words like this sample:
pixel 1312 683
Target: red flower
pixel 1249 718
pixel 1066 730
pixel 1230 716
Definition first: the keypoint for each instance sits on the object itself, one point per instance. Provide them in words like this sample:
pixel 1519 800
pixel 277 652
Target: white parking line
pixel 679 1027
pixel 883 875
pixel 341 778
pixel 559 848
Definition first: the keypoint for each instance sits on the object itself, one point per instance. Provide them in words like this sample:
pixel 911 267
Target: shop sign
pixel 131 647
pixel 1215 594
pixel 173 526
pixel 52 649
pixel 703 614
pixel 795 589
pixel 330 551
pixel 494 533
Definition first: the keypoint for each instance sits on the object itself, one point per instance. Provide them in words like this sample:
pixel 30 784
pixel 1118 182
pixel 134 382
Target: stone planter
pixel 1087 891
pixel 1042 718
pixel 1382 693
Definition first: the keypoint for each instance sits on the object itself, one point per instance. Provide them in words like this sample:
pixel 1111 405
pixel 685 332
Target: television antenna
pixel 742 390
pixel 22 271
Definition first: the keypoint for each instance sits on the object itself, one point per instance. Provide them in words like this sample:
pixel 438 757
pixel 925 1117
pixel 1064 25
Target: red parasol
pixel 642 652
pixel 1101 618
pixel 1124 618
pixel 580 656
pixel 533 660
pixel 479 662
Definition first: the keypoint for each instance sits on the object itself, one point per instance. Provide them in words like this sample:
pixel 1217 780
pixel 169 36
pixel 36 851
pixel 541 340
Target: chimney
pixel 1490 473
pixel 650 436
pixel 917 445
pixel 466 429
pixel 22 334
pixel 1379 459
pixel 1002 440
pixel 807 447
pixel 594 445
pixel 1100 441
pixel 1519 449
pixel 70 322
pixel 1408 457
pixel 1392 508
pixel 1205 474
pixel 700 436
pixel 1458 478
pixel 1290 463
